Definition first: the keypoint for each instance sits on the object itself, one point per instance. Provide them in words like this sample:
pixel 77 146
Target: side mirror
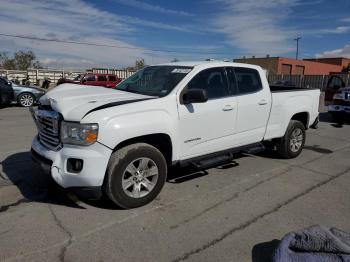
pixel 194 96
pixel 83 80
pixel 9 83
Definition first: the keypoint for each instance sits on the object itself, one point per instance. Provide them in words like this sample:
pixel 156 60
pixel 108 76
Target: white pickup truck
pixel 122 141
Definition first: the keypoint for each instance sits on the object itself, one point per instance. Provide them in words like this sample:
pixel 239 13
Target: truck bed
pixel 276 88
pixel 284 100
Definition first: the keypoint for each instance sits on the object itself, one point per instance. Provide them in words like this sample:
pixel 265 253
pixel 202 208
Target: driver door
pixel 210 126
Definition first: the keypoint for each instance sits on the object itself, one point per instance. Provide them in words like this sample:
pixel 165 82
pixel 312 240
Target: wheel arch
pixel 161 141
pixel 303 117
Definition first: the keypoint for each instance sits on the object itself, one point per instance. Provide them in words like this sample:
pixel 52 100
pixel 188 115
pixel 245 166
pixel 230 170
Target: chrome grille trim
pixel 48 124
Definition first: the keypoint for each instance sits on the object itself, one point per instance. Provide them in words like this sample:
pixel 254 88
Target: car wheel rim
pixel 26 100
pixel 140 177
pixel 296 140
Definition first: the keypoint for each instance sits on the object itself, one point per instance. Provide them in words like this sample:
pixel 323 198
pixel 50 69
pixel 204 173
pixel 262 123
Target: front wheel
pixel 135 175
pixel 291 145
pixel 26 100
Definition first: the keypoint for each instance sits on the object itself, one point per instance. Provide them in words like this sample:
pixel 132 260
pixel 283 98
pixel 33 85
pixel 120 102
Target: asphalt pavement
pixel 235 212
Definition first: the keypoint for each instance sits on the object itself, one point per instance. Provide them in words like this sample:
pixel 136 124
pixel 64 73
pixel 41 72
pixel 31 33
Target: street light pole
pixel 297 53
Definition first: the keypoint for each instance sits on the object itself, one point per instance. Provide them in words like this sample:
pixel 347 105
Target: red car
pixel 92 79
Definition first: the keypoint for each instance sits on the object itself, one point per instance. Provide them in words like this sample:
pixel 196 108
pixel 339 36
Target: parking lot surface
pixel 236 212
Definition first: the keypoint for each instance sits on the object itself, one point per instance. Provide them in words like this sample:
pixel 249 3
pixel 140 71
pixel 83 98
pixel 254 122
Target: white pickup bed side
pixel 287 103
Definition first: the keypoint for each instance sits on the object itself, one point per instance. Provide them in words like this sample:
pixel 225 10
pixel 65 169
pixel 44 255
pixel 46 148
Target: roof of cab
pixel 208 63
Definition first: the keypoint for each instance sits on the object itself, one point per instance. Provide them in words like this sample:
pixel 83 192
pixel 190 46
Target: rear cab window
pixel 248 80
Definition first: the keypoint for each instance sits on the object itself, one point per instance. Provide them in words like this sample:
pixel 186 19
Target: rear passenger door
pixel 254 104
pixel 112 81
pixel 101 80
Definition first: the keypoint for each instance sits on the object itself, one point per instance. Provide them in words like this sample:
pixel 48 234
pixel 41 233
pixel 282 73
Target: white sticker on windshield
pixel 181 70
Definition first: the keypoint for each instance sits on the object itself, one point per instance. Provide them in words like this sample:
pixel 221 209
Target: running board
pixel 221 157
pixel 254 150
pixel 214 161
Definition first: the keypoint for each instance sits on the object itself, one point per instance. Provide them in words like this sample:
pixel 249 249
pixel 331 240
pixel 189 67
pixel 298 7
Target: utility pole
pixel 297 53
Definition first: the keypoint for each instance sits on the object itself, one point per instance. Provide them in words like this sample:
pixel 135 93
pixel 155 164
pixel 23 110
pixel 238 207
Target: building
pixel 290 66
pixel 342 61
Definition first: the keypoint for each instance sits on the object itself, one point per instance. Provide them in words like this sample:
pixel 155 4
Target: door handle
pixel 262 102
pixel 227 108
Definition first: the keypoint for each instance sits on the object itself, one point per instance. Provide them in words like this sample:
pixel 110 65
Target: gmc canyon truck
pixel 122 141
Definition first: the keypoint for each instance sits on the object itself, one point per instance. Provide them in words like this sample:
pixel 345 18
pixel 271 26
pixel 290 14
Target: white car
pixel 123 140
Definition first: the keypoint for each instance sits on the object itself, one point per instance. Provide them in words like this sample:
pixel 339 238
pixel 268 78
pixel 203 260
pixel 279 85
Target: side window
pixel 336 82
pixel 248 80
pixel 212 80
pixel 90 78
pixel 101 78
pixel 112 78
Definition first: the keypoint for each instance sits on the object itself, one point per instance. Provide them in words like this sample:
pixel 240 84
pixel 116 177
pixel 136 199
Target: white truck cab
pixel 122 141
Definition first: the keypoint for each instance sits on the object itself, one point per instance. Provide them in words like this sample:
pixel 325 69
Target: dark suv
pixel 337 98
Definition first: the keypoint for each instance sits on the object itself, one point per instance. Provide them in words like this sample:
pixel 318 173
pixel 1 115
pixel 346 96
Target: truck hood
pixel 75 101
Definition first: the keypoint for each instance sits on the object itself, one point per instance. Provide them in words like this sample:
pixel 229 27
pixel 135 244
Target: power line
pixel 196 51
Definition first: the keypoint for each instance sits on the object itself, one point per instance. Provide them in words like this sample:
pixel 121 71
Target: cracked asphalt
pixel 235 212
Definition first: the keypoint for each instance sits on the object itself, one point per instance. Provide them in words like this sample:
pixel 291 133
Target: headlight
pixel 78 134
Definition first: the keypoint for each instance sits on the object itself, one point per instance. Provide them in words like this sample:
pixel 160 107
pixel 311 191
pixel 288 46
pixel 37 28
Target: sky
pixel 119 32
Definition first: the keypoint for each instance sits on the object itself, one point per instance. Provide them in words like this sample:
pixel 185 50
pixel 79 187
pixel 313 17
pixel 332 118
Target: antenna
pixel 297 52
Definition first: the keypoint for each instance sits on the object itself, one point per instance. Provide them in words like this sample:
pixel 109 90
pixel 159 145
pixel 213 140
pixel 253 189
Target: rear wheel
pixel 291 145
pixel 135 175
pixel 26 100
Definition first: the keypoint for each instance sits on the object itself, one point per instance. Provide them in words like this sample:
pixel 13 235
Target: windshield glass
pixel 154 80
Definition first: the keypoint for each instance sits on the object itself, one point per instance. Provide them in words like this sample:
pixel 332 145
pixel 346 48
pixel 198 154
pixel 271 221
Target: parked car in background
pixel 337 98
pixel 92 79
pixel 11 93
pixel 72 80
pixel 6 92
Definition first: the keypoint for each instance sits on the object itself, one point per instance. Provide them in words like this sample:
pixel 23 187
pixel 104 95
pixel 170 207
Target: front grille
pixel 48 123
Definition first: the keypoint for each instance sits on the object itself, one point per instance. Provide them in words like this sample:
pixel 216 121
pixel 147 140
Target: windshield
pixel 77 78
pixel 154 80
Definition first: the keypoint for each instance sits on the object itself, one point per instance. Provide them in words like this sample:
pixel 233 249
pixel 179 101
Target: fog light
pixel 74 165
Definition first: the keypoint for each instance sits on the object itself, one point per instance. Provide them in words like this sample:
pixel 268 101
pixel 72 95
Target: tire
pixel 291 145
pixel 338 117
pixel 26 99
pixel 129 184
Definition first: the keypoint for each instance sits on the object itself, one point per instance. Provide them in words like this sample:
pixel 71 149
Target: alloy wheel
pixel 140 177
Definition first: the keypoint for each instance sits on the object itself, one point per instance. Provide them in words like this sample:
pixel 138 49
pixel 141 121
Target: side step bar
pixel 214 161
pixel 222 157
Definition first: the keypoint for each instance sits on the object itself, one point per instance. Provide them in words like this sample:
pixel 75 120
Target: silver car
pixel 11 93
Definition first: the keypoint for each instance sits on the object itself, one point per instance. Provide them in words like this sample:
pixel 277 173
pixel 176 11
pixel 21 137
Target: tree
pixel 175 60
pixel 21 61
pixel 139 64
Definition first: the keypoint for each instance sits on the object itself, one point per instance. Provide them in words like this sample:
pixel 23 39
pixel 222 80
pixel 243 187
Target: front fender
pixel 120 123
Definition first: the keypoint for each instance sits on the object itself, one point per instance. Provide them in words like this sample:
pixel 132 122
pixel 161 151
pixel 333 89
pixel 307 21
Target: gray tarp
pixel 314 244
